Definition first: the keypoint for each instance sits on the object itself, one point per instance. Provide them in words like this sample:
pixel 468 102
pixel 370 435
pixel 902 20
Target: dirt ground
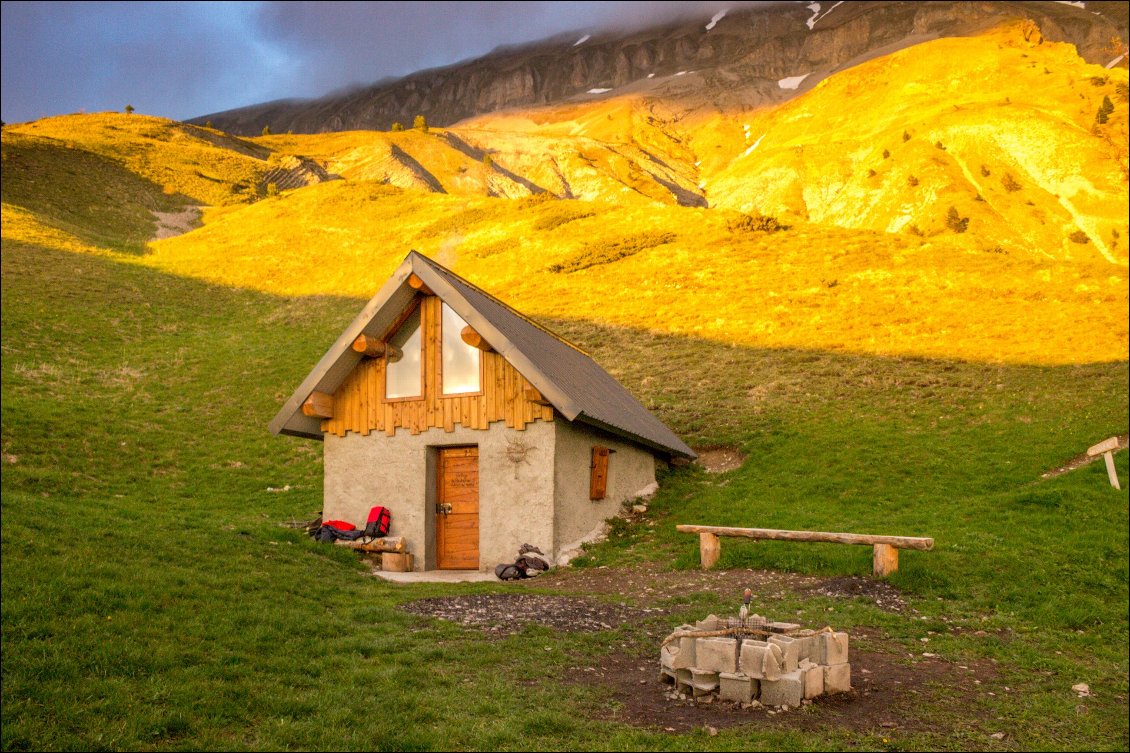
pixel 888 683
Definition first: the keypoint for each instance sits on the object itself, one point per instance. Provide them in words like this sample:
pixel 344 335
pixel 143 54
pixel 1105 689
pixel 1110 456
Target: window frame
pixel 400 321
pixel 439 359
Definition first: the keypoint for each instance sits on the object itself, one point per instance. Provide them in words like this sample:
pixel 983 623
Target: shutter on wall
pixel 598 483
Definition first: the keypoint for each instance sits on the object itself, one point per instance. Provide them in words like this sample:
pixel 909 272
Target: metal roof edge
pixel 648 443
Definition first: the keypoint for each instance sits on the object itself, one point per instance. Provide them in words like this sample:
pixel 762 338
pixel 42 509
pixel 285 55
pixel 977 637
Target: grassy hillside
pixel 151 599
pixel 874 381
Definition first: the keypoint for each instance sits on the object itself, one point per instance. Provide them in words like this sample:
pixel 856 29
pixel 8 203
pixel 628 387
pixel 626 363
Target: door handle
pixel 445 509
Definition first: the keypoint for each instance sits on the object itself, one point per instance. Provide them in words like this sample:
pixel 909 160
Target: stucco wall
pixel 631 470
pixel 515 499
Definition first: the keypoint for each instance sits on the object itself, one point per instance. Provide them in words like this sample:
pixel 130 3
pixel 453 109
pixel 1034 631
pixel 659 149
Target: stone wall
pixel 784 666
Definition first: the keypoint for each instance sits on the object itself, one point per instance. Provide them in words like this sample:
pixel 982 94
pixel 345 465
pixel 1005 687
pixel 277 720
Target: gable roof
pixel 578 388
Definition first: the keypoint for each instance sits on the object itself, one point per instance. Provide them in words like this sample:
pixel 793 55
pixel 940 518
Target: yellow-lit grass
pixel 809 287
pixel 202 165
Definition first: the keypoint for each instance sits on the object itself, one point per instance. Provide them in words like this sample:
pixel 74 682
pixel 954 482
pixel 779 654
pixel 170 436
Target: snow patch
pixel 681 73
pixel 651 75
pixel 598 91
pixel 817 15
pixel 792 82
pixel 1116 61
pixel 747 152
pixel 815 8
pixel 715 19
pixel 1077 5
pixel 582 40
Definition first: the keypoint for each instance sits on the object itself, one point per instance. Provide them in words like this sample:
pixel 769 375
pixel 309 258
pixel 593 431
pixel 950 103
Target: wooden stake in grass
pixel 1106 448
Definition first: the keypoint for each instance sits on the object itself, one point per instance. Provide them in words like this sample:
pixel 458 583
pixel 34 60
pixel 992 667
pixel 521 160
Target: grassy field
pixel 152 601
pixel 876 382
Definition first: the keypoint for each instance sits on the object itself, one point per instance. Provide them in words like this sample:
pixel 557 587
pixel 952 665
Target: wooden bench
pixel 386 544
pixel 885 559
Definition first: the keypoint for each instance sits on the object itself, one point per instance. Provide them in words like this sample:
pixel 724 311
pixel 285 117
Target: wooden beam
pixel 319 405
pixel 899 542
pixel 475 340
pixel 884 560
pixel 709 549
pixel 371 347
pixel 1107 445
pixel 416 283
pixel 387 544
pixel 533 394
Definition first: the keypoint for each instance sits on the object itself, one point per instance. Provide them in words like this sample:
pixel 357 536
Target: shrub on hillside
pixel 985 171
pixel 1079 237
pixel 911 181
pixel 420 123
pixel 755 223
pixel 555 219
pixel 535 199
pixel 955 222
pixel 1010 183
pixel 397 126
pixel 266 130
pixel 598 254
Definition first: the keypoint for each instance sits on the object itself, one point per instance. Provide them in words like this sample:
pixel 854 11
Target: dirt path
pixel 171 224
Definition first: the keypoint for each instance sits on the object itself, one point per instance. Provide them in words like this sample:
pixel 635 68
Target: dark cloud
pixel 184 59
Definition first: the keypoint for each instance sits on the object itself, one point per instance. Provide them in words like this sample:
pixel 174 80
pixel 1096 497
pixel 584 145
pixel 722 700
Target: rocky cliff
pixel 740 58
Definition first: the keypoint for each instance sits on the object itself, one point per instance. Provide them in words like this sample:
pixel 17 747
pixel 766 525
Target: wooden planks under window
pixel 358 404
pixel 598 480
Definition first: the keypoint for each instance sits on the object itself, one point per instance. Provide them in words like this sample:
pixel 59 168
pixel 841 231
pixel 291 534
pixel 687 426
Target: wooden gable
pixel 359 404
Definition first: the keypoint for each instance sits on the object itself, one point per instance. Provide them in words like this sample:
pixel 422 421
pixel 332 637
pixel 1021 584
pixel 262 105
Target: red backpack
pixel 380 519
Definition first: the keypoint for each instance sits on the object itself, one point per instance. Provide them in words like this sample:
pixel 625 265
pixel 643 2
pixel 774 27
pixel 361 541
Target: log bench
pixel 386 544
pixel 885 559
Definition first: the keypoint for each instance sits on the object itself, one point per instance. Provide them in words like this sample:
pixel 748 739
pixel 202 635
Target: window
pixel 460 360
pixel 403 373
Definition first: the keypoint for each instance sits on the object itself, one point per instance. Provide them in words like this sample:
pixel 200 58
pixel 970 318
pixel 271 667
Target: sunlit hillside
pixel 954 199
pixel 862 358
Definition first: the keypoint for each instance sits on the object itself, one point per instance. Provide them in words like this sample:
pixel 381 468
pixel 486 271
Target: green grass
pixel 152 601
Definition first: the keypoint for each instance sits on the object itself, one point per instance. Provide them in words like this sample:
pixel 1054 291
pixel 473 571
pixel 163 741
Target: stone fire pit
pixel 742 661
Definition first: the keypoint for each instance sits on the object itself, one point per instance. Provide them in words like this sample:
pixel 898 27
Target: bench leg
pixel 1110 472
pixel 885 560
pixel 709 547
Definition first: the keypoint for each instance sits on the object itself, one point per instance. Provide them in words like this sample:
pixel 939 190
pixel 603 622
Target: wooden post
pixel 709 549
pixel 474 339
pixel 1106 448
pixel 1110 472
pixel 370 346
pixel 319 405
pixel 884 560
pixel 416 283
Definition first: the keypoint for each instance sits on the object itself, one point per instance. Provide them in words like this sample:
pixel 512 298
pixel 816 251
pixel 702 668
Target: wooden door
pixel 457 509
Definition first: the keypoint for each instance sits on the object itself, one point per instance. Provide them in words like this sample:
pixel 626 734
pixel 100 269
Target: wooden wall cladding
pixel 359 404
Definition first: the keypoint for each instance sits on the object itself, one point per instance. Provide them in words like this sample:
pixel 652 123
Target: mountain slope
pixel 740 57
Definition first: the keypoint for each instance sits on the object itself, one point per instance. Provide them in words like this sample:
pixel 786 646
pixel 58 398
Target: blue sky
pixel 182 59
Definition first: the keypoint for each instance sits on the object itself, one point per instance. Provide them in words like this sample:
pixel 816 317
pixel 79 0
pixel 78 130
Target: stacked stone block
pixel 787 668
